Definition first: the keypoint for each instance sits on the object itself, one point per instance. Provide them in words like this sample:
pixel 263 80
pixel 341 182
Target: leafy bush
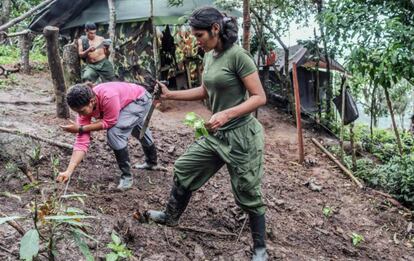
pixel 397 178
pixel 10 54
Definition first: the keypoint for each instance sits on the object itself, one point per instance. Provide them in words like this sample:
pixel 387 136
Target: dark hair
pixel 79 95
pixel 412 117
pixel 90 26
pixel 204 18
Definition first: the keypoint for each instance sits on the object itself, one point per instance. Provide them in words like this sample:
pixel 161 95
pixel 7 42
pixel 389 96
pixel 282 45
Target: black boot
pixel 258 230
pixel 177 203
pixel 150 153
pixel 122 158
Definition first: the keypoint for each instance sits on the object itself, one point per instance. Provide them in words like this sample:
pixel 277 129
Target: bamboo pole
pixel 298 117
pixel 337 162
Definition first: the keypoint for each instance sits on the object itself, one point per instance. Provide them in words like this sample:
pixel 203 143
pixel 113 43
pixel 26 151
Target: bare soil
pixel 296 226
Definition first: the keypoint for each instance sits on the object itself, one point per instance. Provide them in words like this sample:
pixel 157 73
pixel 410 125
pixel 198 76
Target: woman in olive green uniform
pixel 232 86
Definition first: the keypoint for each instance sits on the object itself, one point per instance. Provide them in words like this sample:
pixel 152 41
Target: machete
pixel 155 97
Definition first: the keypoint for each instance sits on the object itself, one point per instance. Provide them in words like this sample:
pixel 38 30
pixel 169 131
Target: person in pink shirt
pixel 117 107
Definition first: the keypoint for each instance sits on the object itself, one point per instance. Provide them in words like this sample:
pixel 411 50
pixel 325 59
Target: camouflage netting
pixel 134 60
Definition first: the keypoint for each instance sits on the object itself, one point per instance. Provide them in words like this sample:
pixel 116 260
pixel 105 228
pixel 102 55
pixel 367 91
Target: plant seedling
pixel 356 239
pixel 197 123
pixel 119 250
pixel 327 211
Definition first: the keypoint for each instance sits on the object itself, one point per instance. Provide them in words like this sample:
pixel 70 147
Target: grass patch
pixel 10 54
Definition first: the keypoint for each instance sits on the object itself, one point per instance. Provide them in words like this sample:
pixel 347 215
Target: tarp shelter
pixel 307 75
pixel 134 56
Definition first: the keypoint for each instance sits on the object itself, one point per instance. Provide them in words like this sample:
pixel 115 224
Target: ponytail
pixel 204 18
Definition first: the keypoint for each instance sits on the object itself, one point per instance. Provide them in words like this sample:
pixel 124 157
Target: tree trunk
pixel 111 29
pixel 25 41
pixel 329 93
pixel 288 84
pixel 155 42
pixel 373 112
pixel 25 15
pixel 71 64
pixel 351 133
pixel 394 124
pixel 5 16
pixel 318 59
pixel 246 25
pixel 56 70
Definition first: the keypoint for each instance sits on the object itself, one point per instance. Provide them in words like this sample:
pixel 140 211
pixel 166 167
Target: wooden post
pixel 24 42
pixel 298 117
pixel 111 28
pixel 56 70
pixel 266 79
pixel 71 64
pixel 341 141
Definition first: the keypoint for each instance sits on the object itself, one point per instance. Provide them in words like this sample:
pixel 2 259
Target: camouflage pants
pixel 102 69
pixel 241 149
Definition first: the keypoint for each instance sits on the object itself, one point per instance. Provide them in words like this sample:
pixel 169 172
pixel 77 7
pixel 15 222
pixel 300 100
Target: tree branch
pixel 25 15
pixel 275 34
pixel 56 143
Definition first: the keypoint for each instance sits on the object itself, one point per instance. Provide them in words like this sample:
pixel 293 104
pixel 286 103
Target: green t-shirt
pixel 222 78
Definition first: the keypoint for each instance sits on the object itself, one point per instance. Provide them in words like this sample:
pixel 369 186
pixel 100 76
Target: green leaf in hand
pixel 197 123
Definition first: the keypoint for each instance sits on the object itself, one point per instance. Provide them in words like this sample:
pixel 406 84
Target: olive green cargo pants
pixel 241 149
pixel 102 69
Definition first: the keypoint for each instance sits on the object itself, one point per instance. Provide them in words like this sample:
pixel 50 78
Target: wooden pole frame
pixel 298 116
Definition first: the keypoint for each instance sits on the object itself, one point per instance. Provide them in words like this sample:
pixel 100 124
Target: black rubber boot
pixel 258 230
pixel 177 203
pixel 122 158
pixel 150 153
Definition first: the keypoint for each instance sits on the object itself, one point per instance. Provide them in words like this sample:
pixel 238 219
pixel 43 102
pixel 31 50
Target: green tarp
pixel 138 10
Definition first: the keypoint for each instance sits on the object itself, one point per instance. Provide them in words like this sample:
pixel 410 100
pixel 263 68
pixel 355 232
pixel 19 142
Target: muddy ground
pixel 296 226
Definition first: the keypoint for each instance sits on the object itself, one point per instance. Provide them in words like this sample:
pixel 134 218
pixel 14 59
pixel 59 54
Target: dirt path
pixel 297 227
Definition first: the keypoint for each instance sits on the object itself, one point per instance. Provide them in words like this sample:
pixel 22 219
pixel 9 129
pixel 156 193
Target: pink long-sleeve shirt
pixel 111 98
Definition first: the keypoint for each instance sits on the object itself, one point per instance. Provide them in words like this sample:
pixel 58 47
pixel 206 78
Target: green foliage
pixel 29 245
pixel 6 219
pixel 83 247
pixel 8 82
pixel 327 211
pixel 11 167
pixel 10 54
pixel 397 178
pixel 197 123
pixel 119 250
pixel 357 239
pixel 380 47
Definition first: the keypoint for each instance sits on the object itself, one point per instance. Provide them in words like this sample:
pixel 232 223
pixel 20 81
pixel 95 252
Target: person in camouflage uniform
pixel 93 50
pixel 231 84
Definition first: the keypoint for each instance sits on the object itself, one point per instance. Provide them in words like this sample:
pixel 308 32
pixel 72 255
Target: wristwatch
pixel 80 130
